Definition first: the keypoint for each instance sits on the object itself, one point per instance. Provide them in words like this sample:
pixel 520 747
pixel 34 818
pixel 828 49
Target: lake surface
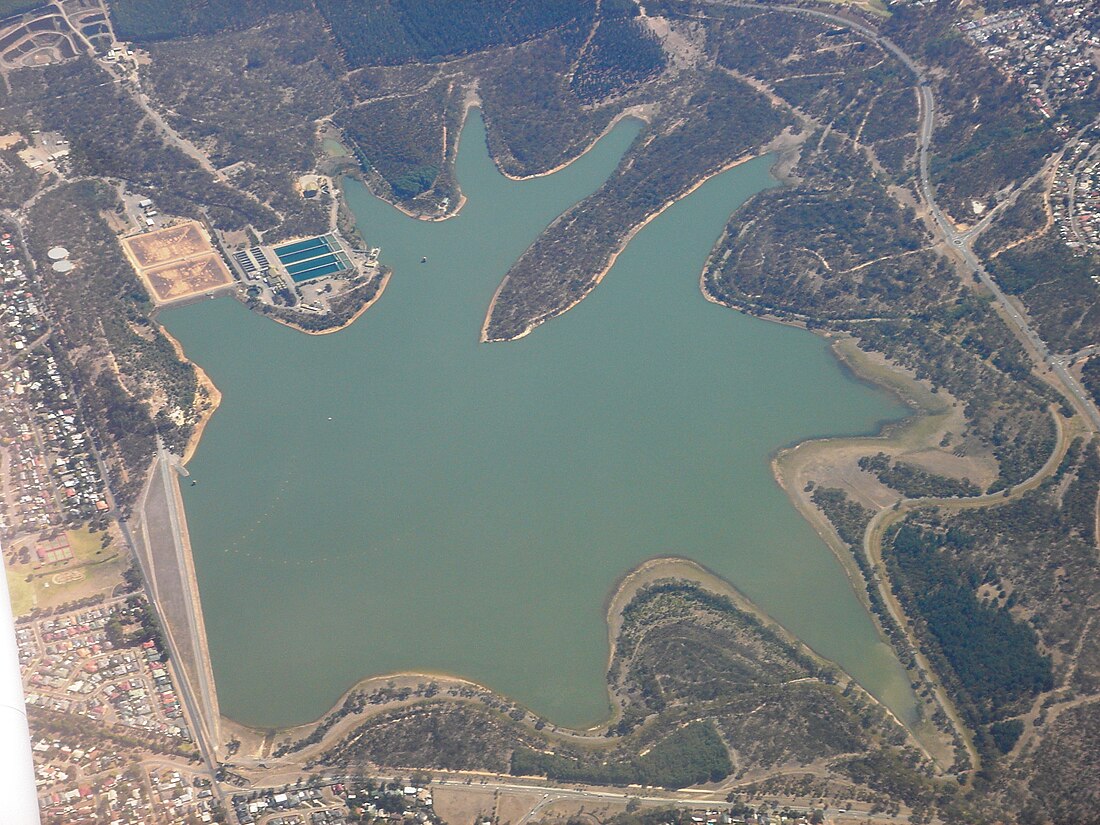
pixel 399 496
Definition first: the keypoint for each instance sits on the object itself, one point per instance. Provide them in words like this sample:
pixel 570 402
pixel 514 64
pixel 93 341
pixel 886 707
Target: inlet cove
pixel 400 497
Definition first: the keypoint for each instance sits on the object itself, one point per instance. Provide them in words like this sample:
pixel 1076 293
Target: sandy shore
pixel 213 396
pixel 592 284
pixel 257 744
pixel 639 112
pixel 823 460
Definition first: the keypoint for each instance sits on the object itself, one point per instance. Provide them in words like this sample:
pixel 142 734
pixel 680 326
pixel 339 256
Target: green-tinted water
pixel 398 496
pixel 335 148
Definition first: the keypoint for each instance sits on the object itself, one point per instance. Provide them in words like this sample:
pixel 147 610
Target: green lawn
pixel 102 571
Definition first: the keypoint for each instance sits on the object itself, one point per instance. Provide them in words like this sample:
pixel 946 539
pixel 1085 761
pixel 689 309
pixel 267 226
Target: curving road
pixel 961 242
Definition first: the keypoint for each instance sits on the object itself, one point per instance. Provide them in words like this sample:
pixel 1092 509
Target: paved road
pixel 874 536
pixel 194 708
pixel 1084 352
pixel 645 795
pixel 206 690
pixel 960 241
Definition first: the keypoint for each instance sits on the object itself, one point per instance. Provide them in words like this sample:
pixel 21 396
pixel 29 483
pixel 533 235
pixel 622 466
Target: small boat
pixel 424 260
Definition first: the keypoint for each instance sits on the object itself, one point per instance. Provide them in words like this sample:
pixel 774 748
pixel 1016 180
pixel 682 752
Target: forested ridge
pixel 11 7
pixel 1055 284
pixel 622 52
pixel 146 21
pixel 720 121
pixel 994 656
pixel 399 31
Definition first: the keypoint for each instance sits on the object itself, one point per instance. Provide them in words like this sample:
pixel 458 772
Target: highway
pixel 961 242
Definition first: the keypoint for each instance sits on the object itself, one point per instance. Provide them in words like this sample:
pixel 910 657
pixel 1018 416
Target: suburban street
pixel 963 243
pixel 156 533
pixel 959 241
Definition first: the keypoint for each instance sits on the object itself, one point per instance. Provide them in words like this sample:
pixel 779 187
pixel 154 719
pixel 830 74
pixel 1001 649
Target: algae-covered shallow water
pixel 399 496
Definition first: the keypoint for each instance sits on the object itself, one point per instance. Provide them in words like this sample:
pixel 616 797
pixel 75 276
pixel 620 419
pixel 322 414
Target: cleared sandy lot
pixel 177 262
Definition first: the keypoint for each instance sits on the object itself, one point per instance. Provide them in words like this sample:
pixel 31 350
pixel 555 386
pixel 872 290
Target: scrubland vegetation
pixel 252 103
pixel 402 31
pixel 132 385
pixel 1002 599
pixel 112 138
pixel 695 676
pixel 720 121
pixel 1056 286
pixel 10 7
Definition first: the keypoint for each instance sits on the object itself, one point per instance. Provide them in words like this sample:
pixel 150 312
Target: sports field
pixel 177 262
pixel 85 567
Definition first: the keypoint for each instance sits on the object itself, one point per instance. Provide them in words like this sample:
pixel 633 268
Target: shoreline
pixel 471 101
pixel 620 248
pixel 330 330
pixel 632 580
pixel 786 461
pixel 420 216
pixel 213 394
pixel 355 317
pixel 621 593
pixel 207 689
pixel 639 111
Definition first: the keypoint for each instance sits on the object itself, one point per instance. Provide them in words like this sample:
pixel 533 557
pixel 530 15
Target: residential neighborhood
pixel 1075 197
pixel 89 670
pixel 54 477
pixel 1051 50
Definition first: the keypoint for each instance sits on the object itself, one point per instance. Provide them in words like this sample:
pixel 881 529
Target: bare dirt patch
pixel 173 243
pixel 186 279
pixel 833 462
pixel 68 576
pixel 177 262
pixel 587 811
pixel 513 807
pixel 464 806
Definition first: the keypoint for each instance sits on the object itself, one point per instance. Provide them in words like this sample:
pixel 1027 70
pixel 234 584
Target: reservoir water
pixel 398 496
